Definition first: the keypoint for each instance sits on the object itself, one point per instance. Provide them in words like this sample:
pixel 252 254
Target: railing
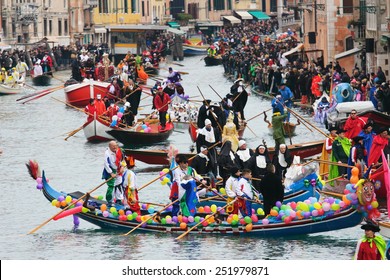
pixel 288 20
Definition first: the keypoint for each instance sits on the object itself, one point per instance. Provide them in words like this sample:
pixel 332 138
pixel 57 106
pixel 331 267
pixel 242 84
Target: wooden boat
pixel 192 50
pixel 193 130
pixel 380 119
pixel 78 94
pixel 213 60
pixel 95 130
pixel 288 127
pixel 299 191
pixel 153 71
pixel 139 136
pixel 10 90
pixel 41 80
pixel 303 150
pixel 332 220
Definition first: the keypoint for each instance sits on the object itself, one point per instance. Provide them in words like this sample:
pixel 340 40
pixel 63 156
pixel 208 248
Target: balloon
pixel 293 214
pixel 287 220
pixel 325 206
pixel 183 225
pixel 168 219
pixel 201 209
pixel 278 204
pixel 54 202
pixel 119 114
pixel 235 217
pixel 254 218
pixel 63 203
pixel 248 219
pixel 314 213
pixel 317 205
pixel 105 214
pixel 265 221
pixel 205 223
pixel 213 208
pixel 374 204
pixel 174 219
pixel 274 213
pixel 249 227
pixel 39 180
pixel 138 219
pixel 190 219
pixel 335 207
pixel 207 209
pixel 229 220
pixel 112 209
pixel 222 191
pixel 130 217
pixel 260 211
pixel 197 219
pixel 39 186
pixel 151 210
pixel 163 221
pixel 61 198
pixel 242 221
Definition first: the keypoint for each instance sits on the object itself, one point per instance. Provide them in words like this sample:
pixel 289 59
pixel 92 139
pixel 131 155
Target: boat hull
pixel 212 61
pixel 79 94
pixel 128 137
pixel 95 131
pixel 41 80
pixel 160 157
pixel 7 90
pixel 342 219
pixel 189 50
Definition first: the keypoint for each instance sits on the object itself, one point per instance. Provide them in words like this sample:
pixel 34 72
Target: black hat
pixel 331 128
pixel 229 95
pixel 170 69
pixel 276 110
pixel 341 130
pixel 357 138
pixel 370 226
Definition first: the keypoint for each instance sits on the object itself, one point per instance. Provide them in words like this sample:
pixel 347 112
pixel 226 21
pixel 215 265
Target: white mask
pixel 240 83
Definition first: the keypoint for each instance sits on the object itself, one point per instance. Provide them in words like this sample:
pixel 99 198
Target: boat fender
pixel 68 212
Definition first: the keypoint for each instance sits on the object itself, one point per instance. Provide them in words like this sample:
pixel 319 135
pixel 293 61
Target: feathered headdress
pixel 172 153
pixel 33 169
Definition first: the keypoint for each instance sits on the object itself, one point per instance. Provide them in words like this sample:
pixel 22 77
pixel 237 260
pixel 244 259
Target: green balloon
pixel 197 219
pixel 163 221
pixel 248 220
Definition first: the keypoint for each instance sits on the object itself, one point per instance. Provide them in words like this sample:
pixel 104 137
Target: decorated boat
pixel 147 133
pixel 213 60
pixel 95 130
pixel 41 80
pixel 79 94
pixel 328 215
pixel 10 90
pixel 160 157
pixel 192 50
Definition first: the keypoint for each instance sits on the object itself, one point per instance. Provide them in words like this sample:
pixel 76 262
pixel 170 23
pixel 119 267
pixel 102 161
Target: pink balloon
pixel 185 219
pixel 265 221
pixel 190 219
pixel 39 180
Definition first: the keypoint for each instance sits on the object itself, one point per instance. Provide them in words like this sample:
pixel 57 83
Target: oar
pixel 152 203
pixel 43 94
pixel 332 194
pixel 37 93
pixel 312 125
pixel 74 132
pixel 175 63
pixel 258 115
pixel 215 92
pixel 333 163
pixel 26 85
pixel 212 215
pixel 251 130
pixel 330 180
pixel 73 203
pixel 151 217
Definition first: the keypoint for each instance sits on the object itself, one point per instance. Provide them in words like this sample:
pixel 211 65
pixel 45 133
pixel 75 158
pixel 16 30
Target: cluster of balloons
pixel 117 118
pixel 369 209
pixel 146 128
pixel 165 177
pixel 63 201
pixel 311 208
pixel 39 183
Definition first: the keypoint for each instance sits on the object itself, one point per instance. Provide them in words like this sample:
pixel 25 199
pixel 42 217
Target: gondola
pixel 343 217
pixel 160 157
pixel 138 135
pixel 41 80
pixel 213 60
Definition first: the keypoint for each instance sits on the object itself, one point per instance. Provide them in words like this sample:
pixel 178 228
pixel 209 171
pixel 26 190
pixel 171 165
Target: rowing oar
pixel 212 113
pixel 175 63
pixel 300 118
pixel 43 94
pixel 332 194
pixel 333 163
pixel 36 93
pixel 212 215
pixel 216 92
pixel 309 123
pixel 26 85
pixel 67 207
pixel 162 175
pixel 74 132
pixel 258 115
pixel 339 177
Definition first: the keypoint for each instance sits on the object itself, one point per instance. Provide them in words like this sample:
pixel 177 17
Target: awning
pixel 347 53
pixel 244 15
pixel 385 39
pixel 210 23
pixel 232 19
pixel 259 15
pixel 173 24
pixel 294 50
pixel 100 30
pixel 136 27
pixel 176 31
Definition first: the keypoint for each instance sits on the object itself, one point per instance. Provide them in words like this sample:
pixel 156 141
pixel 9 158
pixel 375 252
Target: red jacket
pixel 161 104
pixel 90 110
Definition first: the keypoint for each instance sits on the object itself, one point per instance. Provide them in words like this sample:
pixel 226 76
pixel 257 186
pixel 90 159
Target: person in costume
pixel 133 96
pixel 202 163
pixel 90 110
pixel 282 160
pixel 208 136
pixel 371 246
pixel 367 198
pixel 327 150
pixel 130 186
pixel 271 188
pixel 277 126
pixel 229 132
pixel 368 137
pixel 230 188
pixel 277 102
pixel 378 144
pixel 243 154
pixel 287 97
pixel 258 164
pixel 161 102
pixel 354 125
pixel 341 148
pixel 110 168
pixel 173 76
pixel 226 160
pixel 100 105
pixel 356 155
pixel 240 97
pixel 244 192
pixel 177 191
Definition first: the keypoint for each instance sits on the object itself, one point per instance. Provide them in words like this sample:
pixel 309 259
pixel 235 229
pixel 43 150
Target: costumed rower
pixel 327 149
pixel 371 246
pixel 277 126
pixel 130 186
pixel 110 168
pixel 271 188
pixel 230 188
pixel 244 193
pixel 229 132
pixel 341 148
pixel 161 102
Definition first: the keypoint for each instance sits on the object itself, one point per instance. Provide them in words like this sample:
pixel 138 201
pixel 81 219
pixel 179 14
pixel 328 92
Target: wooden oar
pixel 43 94
pixel 330 180
pixel 195 226
pixel 152 203
pixel 258 115
pixel 332 194
pixel 26 85
pixel 175 63
pixel 74 132
pixel 37 93
pixel 67 207
pixel 215 92
pixel 309 123
pixel 333 163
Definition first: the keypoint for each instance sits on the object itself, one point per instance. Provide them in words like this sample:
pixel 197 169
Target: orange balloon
pixel 64 203
pixel 180 218
pixel 249 227
pixel 183 225
pixel 229 220
pixel 121 212
pixel 274 213
pixel 355 175
pixel 103 207
pixel 346 200
pixel 201 209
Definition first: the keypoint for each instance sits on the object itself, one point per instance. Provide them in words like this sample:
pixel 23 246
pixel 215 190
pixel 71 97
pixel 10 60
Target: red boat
pixel 79 94
pixel 193 130
pixel 379 118
pixel 95 130
pixel 160 157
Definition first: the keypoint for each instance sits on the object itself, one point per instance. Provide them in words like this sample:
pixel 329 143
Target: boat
pixel 192 50
pixel 95 130
pixel 213 60
pixel 340 218
pixel 79 94
pixel 148 133
pixel 160 157
pixel 298 191
pixel 288 127
pixel 41 80
pixel 269 96
pixel 153 71
pixel 10 90
pixel 193 130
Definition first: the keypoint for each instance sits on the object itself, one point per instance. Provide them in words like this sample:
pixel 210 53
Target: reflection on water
pixel 36 130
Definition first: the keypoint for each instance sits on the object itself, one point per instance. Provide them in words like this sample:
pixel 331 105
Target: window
pixel 50 27
pixel 100 6
pixel 229 4
pixel 219 5
pixel 133 6
pixel 147 5
pixel 45 27
pixel 125 7
pixel 209 3
pixel 35 29
pixel 143 8
pixel 273 6
pixel 65 27
pixel 59 27
pixel 347 6
pixel 264 5
pixel 4 25
pixel 349 43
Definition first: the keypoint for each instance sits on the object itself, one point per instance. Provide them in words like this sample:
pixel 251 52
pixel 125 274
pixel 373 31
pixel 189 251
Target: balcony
pixel 93 3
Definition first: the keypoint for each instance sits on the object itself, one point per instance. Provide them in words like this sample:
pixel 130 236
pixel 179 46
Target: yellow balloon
pixel 222 190
pixel 54 202
pixel 235 217
pixel 213 208
pixel 375 204
pixel 165 170
pixel 68 199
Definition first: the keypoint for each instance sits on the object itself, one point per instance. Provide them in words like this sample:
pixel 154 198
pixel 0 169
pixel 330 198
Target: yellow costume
pixel 230 133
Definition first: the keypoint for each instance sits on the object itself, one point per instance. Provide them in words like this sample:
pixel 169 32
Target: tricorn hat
pixel 370 226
